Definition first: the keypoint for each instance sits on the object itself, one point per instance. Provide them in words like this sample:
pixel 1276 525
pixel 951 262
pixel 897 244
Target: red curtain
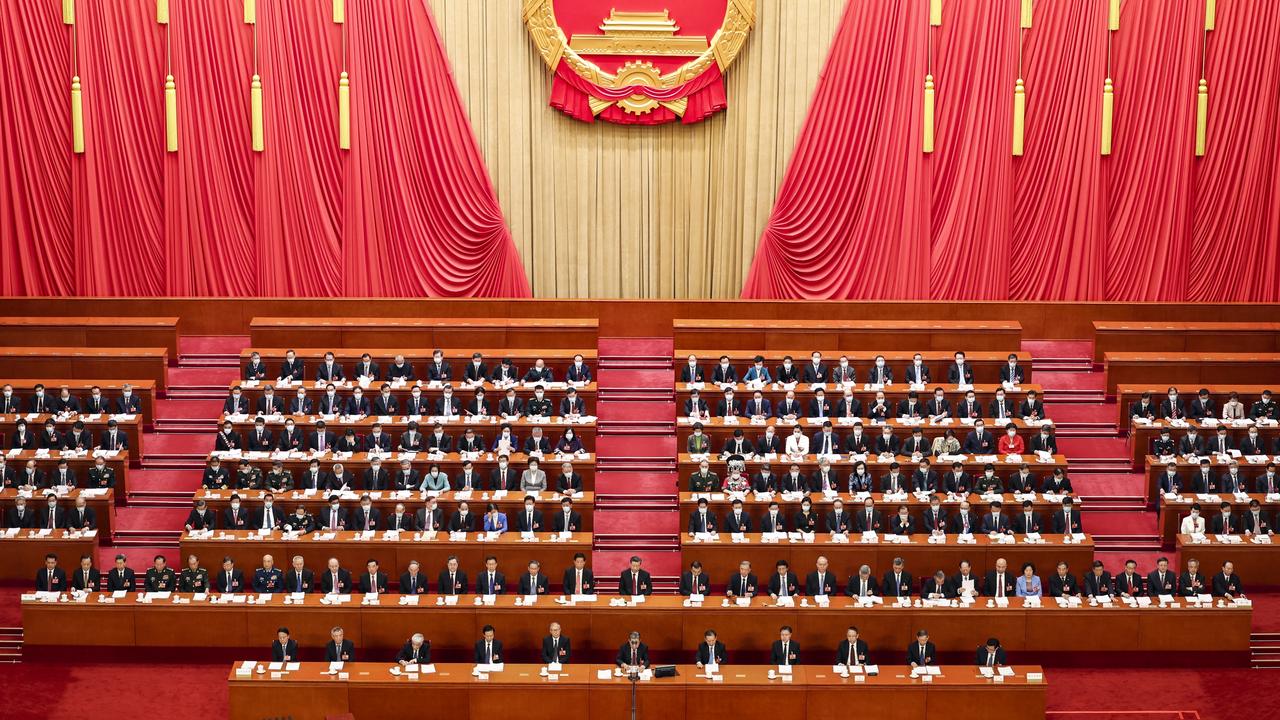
pixel 1062 222
pixel 409 211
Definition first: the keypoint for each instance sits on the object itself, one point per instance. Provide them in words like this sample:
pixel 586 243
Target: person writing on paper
pixel 488 650
pixel 1226 584
pixel 862 584
pixel 339 649
pixel 1193 524
pixel 494 521
pixel 415 652
pixel 555 646
pixel 990 655
pixel 284 648
pixel 946 444
pixel 853 650
pixel 1029 584
pixel 633 656
pixel 710 650
pixel 785 651
pixel 922 653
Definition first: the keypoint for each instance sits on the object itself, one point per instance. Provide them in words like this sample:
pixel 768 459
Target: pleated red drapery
pixel 409 211
pixel 1062 222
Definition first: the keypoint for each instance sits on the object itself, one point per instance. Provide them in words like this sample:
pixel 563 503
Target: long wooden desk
pixel 89 332
pixel 1258 565
pixel 1188 471
pixel 22 556
pixel 597 629
pixel 757 509
pixel 151 363
pixel 1185 337
pixel 145 390
pixel 782 464
pixel 557 359
pixel 95 425
pixel 1126 395
pixel 103 505
pixel 720 432
pixel 1198 369
pixel 946 335
pixel 80 464
pixel 720 558
pixel 1172 512
pixel 552 430
pixel 451 464
pixel 355 332
pixel 402 393
pixel 986 365
pixel 548 503
pixel 1142 435
pixel 452 693
pixel 513 553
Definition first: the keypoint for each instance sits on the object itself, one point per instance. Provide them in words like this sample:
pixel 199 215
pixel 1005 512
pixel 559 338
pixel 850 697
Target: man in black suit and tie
pixel 821 581
pixel 1162 580
pixel 995 521
pixel 633 656
pixel 491 582
pixel 533 582
pixel 1097 582
pixel 999 582
pixel 372 580
pixel 744 584
pixel 852 650
pixel 990 655
pixel 452 581
pixel 702 520
pixel 635 580
pixel 336 579
pixel 236 517
pixel 922 653
pixel 737 521
pixel 284 648
pixel 579 580
pixel 785 651
pixel 415 652
pixel 52 517
pixel 862 584
pixel 897 582
pixel 81 517
pixel 121 577
pixel 556 647
pixel 710 651
pixel 339 649
pixel 694 581
pixel 298 578
pixel 52 578
pixel 229 579
pixel 113 438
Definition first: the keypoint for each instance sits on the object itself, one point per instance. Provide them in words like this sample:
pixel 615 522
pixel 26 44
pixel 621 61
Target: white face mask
pixel 235 506
pixel 9 393
pixel 787 364
pixel 879 363
pixel 127 393
pixel 844 363
pixel 1012 363
pixel 267 504
pixel 916 362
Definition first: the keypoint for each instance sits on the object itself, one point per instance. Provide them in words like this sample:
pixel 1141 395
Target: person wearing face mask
pixel 50 438
pixel 406 477
pixel 375 477
pixel 1253 444
pixel 979 441
pixel 410 440
pixel 533 479
pixel 438 371
pixel 1171 408
pixel 290 437
pixel 724 373
pixel 248 477
pixel 578 371
pixel 236 403
pixel 504 476
pixel 268 578
pixel 1032 408
pixel 815 371
pixel 270 403
pixel 40 402
pixel 1255 521
pixel 329 370
pixel 358 405
pixel 788 373
pixel 848 406
pixel 1233 409
pixel 692 372
pixel 9 402
pixel 1225 522
pixel 946 444
pixel 77 438
pixel 301 404
pixel 1045 441
pixel 228 438
pixel 1011 443
pixel 215 476
pixel 95 404
pixel 510 407
pixel 572 406
pixel 1012 372
pixel 66 403
pixel 880 408
pixel 935 518
pixel 1170 482
pixel 938 407
pixel 880 373
pixel 366 517
pixel 51 517
pixel 843 372
pixel 860 480
pixel 805 520
pixel 334 517
pixel 960 372
pixel 1202 406
pixel 477 406
pixel 434 480
pixel 539 373
pixel 569 443
pixel 1268 483
pixel 958 481
pixel 758 372
pixel 1191 443
pixel 539 405
pixel 530 518
pixel 416 405
pixel 430 519
pixel 506 372
pixel 917 373
pixel 448 405
pixel 260 438
pixel 300 521
pixel 330 403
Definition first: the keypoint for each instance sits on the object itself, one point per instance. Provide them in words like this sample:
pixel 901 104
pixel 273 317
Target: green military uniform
pixel 160 580
pixel 539 408
pixel 192 581
pixel 278 481
pixel 249 478
pixel 103 477
pixel 698 482
pixel 986 485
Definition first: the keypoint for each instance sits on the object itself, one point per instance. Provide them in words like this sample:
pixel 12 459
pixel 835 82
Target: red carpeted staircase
pixel 636 509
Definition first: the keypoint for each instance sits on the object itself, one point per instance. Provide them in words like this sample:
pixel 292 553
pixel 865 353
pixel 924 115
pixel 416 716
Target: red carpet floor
pixel 212 344
pixel 1109 484
pixel 1056 380
pixel 1058 348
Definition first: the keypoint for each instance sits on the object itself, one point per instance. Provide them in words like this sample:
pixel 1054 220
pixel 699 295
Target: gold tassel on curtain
pixel 1202 117
pixel 170 114
pixel 1113 16
pixel 255 111
pixel 68 12
pixel 250 12
pixel 1210 14
pixel 339 11
pixel 162 12
pixel 928 113
pixel 344 111
pixel 1019 117
pixel 1108 112
pixel 1024 19
pixel 77 117
pixel 935 13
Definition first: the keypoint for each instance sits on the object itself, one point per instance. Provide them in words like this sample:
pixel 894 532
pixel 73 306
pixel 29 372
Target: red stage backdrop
pixel 864 213
pixel 408 211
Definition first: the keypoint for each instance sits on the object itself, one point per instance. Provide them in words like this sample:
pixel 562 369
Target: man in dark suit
pixel 236 403
pixel 782 583
pixel 401 369
pixel 367 368
pixel 82 517
pixel 329 370
pixel 744 584
pixel 1129 582
pixel 488 649
pixel 862 584
pixel 897 581
pixel 635 580
pixel 321 439
pixel 533 582
pixel 336 579
pixel 815 371
pixel 785 650
pixel 821 581
pixel 121 577
pixel 399 520
pixel 922 653
pixel 1226 583
pixel 964 522
pixel 417 651
pixel 556 647
pixel 1192 582
pixel 236 516
pixel 291 367
pixel 838 521
pixel 1162 580
pixel 113 438
pixel 491 581
pixel 1097 582
pixel 229 579
pixel 412 580
pixel 579 580
pixel 990 655
pixel 1012 372
pixel 430 518
pixel 960 372
pixel 567 520
pixel 504 476
pixel 452 580
pixel 702 520
pixel 530 518
pixel 979 441
pixel 995 521
pixel 299 578
pixel 228 438
pixel 284 648
pixel 737 521
pixel 77 438
pixel 633 655
pixel 937 587
pixel 1032 408
pixel 694 581
pixel 852 649
pixel 1027 521
pixel 255 369
pixel 339 649
pixel 52 517
pixel 51 578
pixel 1062 583
pixel 710 651
pixel 373 580
pixel 86 577
pixel 999 582
pixel 1067 520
